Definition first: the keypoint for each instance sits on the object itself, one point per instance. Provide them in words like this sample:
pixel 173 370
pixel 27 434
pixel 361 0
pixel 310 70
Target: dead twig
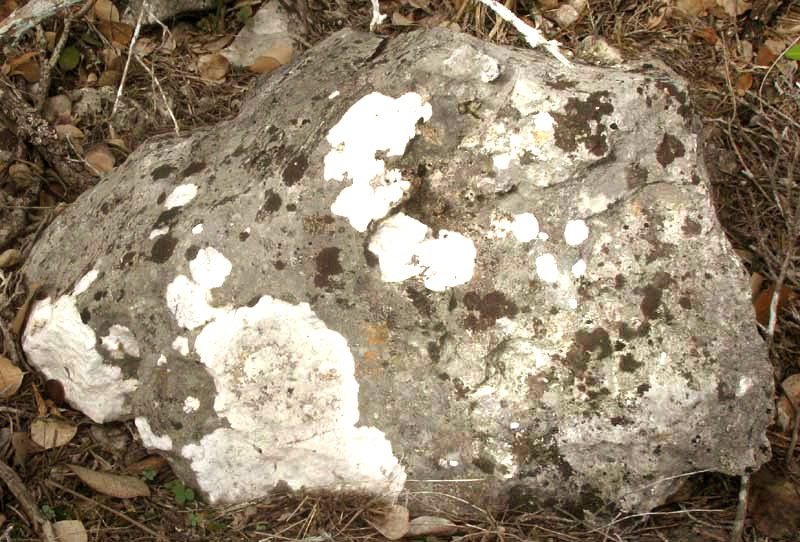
pixel 30 15
pixel 741 509
pixel 25 500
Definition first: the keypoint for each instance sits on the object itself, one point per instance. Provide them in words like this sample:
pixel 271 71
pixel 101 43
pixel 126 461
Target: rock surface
pixel 433 259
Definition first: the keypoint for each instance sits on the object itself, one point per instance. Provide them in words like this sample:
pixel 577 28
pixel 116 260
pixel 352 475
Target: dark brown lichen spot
pixel 167 218
pixel 595 342
pixel 619 281
pixel 685 301
pixel 641 389
pixel 434 351
pixel 291 207
pixel 272 202
pixel 651 300
pixel 582 123
pixel 669 149
pixel 163 248
pixel 295 169
pixel 628 363
pixel 161 198
pixel 662 279
pixel 194 167
pixel 86 316
pixel 191 252
pixel 420 301
pixel 490 308
pixel 128 259
pixel 690 227
pixel 162 172
pixel 327 263
pixel 621 420
pixel 537 385
pixel 279 265
pixel 99 295
pixel 243 235
pixel 626 331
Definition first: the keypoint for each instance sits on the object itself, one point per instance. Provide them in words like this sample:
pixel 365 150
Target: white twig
pixel 741 509
pixel 128 61
pixel 531 35
pixel 377 18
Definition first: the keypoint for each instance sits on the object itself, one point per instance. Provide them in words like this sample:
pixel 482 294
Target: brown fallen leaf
pixel 431 526
pixel 213 67
pixel 264 64
pixel 764 300
pixel 113 485
pixel 105 10
pixel 100 158
pixel 282 52
pixel 398 19
pixel 151 462
pixel 70 530
pixel 120 34
pixel 69 131
pixel 390 520
pixel 10 258
pixel 10 378
pixel 52 433
pixel 743 83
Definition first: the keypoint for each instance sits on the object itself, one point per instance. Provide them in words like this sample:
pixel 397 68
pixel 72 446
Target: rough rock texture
pixel 430 259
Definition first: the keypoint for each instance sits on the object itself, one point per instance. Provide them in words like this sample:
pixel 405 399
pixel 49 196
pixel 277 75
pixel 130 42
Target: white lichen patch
pixel 333 95
pixel 579 268
pixel 161 361
pixel 576 232
pixel 197 229
pixel 150 439
pixel 84 282
pixel 547 268
pixel 406 248
pixel 376 123
pixel 525 227
pixel 62 347
pixel 181 345
pixel 286 385
pixel 189 302
pixel 191 404
pixel 120 342
pixel 158 232
pixel 181 195
pixel 210 268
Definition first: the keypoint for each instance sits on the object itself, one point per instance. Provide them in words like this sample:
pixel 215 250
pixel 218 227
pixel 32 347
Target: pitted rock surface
pixel 433 259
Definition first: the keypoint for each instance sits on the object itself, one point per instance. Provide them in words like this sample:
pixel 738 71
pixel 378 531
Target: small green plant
pixel 192 520
pixel 182 493
pixel 48 512
pixel 149 474
pixel 793 53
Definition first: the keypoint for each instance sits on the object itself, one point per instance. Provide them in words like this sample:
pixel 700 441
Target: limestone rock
pixel 438 259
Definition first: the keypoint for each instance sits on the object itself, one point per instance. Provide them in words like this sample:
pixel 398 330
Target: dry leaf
pixel 213 67
pixel 22 445
pixel 52 433
pixel 744 83
pixel 69 131
pixel 100 158
pixel 734 7
pixel 764 300
pixel 113 485
pixel 57 107
pixel 152 462
pixel 10 258
pixel 144 46
pixel 785 413
pixel 29 70
pixel 708 35
pixel 264 64
pixel 431 526
pixel 10 378
pixel 104 10
pixel 119 34
pixel 109 78
pixel 391 521
pixel 282 52
pixel 20 172
pixel 70 530
pixel 214 45
pixel 398 19
pixel 695 8
pixel 768 53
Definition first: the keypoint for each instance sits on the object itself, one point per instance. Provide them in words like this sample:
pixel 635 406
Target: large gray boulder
pixel 431 258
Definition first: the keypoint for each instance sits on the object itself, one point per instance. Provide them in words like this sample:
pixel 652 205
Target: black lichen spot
pixel 291 207
pixel 279 265
pixel 167 218
pixel 434 351
pixel 576 126
pixel 253 301
pixel 685 301
pixel 490 308
pixel 163 248
pixel 105 208
pixel 86 316
pixel 295 169
pixel 243 235
pixel 161 198
pixel 162 172
pixel 619 281
pixel 191 252
pixel 561 84
pixel 128 259
pixel 272 202
pixel 620 420
pixel 420 301
pixel 99 295
pixel 194 167
pixel 595 342
pixel 725 392
pixel 628 363
pixel 651 300
pixel 669 149
pixel 642 389
pixel 327 262
pixel 690 227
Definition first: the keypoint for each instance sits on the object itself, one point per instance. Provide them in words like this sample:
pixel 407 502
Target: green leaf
pixel 69 59
pixel 149 474
pixel 793 53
